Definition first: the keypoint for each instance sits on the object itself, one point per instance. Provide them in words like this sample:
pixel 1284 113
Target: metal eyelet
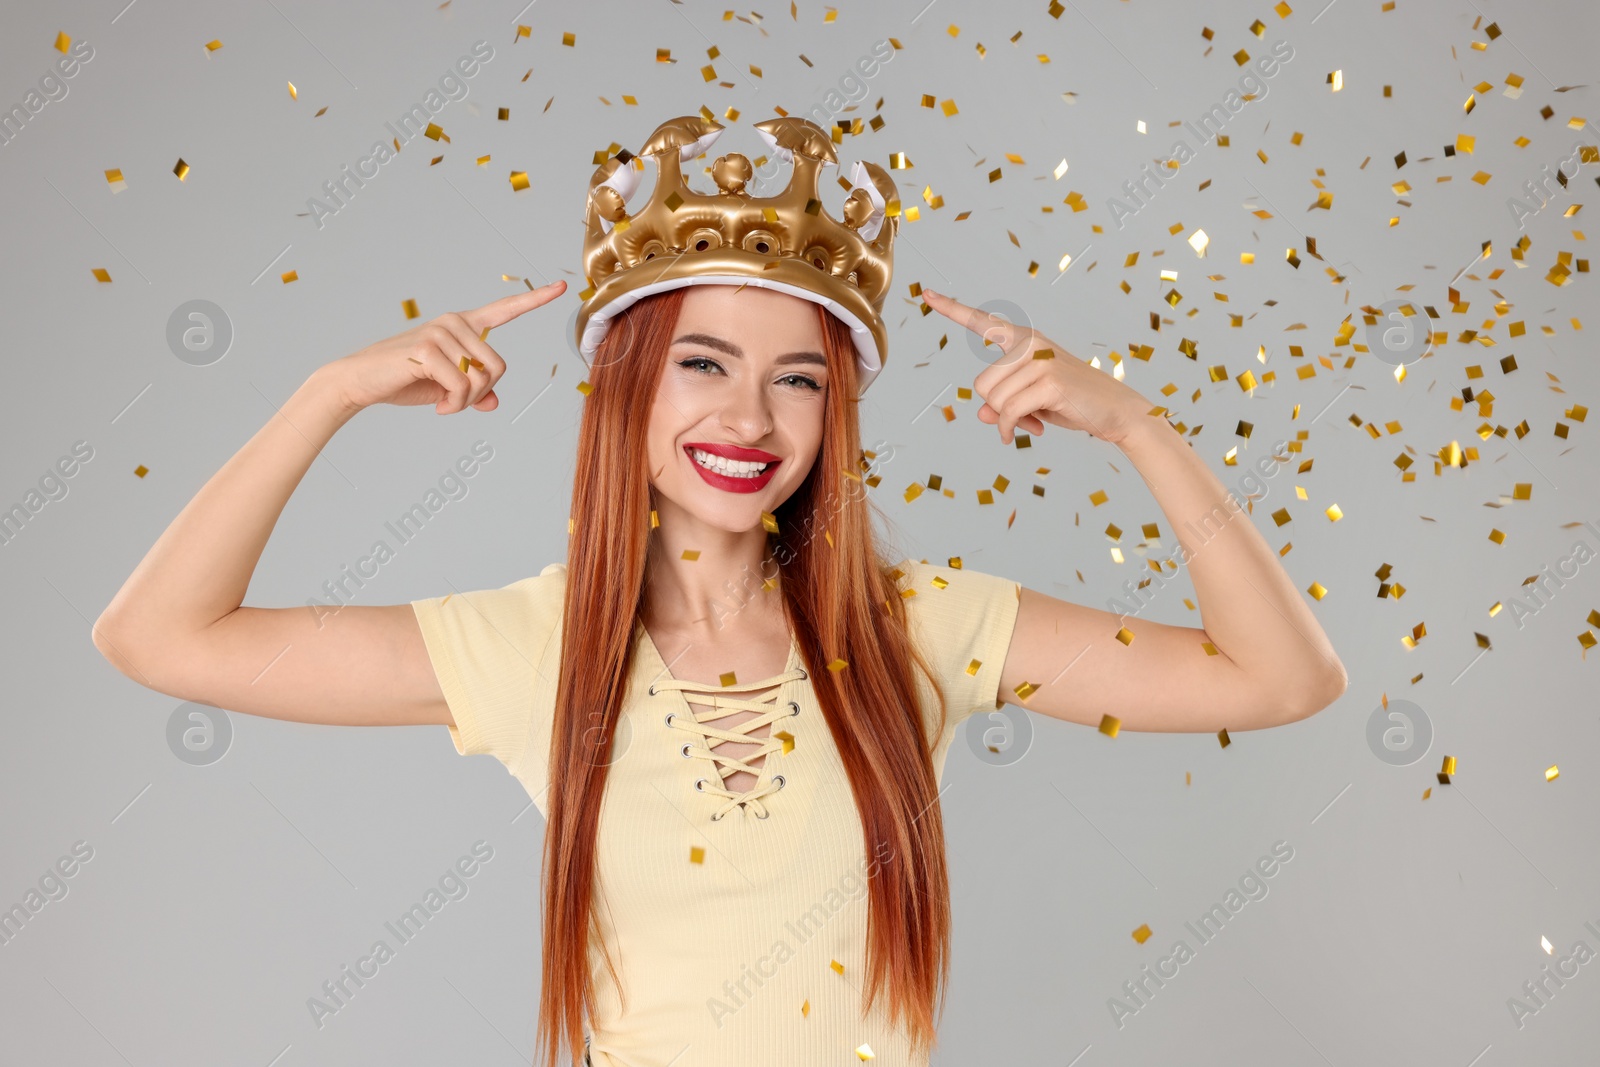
pixel 763 816
pixel 652 690
pixel 780 779
pixel 670 714
pixel 803 674
pixel 699 785
pixel 685 749
pixel 717 817
pixel 796 708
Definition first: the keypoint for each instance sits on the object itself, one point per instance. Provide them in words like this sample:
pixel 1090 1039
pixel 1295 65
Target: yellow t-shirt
pixel 724 912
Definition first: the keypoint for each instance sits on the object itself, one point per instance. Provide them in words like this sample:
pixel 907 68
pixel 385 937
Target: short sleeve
pixel 488 650
pixel 963 621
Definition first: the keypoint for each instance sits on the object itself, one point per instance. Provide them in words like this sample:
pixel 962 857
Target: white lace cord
pixel 714 735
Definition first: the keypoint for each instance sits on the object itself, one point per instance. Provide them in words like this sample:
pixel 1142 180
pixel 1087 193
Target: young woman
pixel 732 708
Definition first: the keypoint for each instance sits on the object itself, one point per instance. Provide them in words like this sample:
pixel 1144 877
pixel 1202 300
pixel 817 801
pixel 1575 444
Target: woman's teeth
pixel 733 468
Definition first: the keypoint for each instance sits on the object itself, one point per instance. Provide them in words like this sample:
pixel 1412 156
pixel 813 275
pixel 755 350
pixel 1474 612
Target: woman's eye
pixel 700 363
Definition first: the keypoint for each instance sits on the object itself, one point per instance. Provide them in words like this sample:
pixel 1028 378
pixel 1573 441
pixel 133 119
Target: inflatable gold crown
pixel 786 242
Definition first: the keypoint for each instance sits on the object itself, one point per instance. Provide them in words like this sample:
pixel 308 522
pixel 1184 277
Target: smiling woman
pixel 709 779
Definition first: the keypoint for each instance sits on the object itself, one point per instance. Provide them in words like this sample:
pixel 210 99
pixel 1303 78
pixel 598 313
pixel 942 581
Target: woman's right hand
pixel 423 364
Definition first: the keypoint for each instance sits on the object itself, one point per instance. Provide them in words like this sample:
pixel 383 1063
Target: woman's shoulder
pixel 963 620
pixel 520 614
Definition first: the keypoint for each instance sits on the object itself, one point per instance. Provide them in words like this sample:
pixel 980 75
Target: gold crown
pixel 786 242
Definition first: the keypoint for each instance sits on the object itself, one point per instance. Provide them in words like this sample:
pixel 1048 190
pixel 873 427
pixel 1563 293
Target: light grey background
pixel 220 897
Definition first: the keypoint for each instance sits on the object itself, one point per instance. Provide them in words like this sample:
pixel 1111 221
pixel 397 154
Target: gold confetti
pixel 837 966
pixel 1317 590
pixel 113 176
pixel 570 40
pixel 805 1010
pixel 1109 725
pixel 1125 635
pixel 294 94
pixel 1142 934
pixel 101 274
pixel 1223 739
pixel 290 276
pixel 141 470
pixel 410 308
pixel 1336 79
pixel 1551 773
pixel 1098 497
pixel 1334 514
pixel 838 664
pixel 519 180
pixel 691 554
pixel 63 42
pixel 864 1052
pixel 697 854
pixel 181 170
pixel 212 46
pixel 1198 241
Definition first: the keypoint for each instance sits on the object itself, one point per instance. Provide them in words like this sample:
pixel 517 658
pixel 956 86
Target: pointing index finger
pixel 499 312
pixel 989 326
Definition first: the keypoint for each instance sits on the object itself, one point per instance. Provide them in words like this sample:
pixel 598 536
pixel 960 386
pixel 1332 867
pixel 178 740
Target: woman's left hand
pixel 1021 390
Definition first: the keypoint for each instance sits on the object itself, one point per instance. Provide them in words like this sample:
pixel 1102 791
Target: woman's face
pixel 745 371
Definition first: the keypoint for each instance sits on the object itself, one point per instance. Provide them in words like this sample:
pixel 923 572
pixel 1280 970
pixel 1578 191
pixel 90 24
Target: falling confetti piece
pixel 141 470
pixel 212 46
pixel 63 42
pixel 519 180
pixel 410 308
pixel 1142 934
pixel 101 274
pixel 181 170
pixel 290 276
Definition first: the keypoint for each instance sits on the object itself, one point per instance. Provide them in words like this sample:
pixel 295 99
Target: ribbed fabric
pixel 725 933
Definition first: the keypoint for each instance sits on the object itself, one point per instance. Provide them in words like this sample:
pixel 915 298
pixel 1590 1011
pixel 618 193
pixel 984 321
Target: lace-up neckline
pixel 707 737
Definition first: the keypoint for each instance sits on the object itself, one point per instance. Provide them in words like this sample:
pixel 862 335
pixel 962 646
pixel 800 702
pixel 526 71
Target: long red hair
pixel 841 601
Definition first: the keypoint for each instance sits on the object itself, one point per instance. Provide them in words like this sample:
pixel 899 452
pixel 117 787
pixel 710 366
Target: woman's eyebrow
pixel 734 350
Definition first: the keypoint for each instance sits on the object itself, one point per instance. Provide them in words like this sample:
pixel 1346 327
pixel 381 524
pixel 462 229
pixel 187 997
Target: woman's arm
pixel 178 624
pixel 1269 661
